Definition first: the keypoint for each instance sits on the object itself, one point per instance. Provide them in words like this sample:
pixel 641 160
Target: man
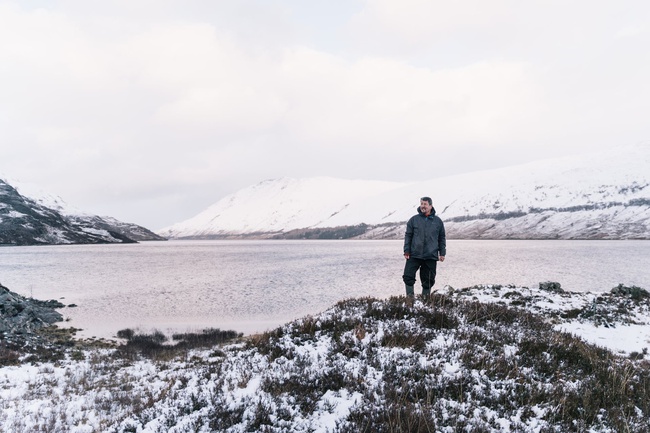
pixel 425 244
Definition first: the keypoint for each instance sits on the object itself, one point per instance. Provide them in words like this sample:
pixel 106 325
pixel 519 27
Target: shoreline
pixel 596 317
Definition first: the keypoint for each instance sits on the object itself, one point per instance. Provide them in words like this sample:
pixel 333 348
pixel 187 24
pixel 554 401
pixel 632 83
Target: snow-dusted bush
pixel 452 364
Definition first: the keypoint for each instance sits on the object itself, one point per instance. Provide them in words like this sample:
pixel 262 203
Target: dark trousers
pixel 427 273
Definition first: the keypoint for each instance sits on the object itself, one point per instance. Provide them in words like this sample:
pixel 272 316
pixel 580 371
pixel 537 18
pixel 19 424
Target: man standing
pixel 425 244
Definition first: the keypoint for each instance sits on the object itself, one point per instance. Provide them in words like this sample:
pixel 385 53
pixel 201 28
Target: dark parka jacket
pixel 425 236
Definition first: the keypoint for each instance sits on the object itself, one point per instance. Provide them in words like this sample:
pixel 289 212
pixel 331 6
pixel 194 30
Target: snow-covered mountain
pixel 604 195
pixel 29 216
pixel 280 205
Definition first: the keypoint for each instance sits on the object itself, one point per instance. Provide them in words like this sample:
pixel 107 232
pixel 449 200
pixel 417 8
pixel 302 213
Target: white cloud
pixel 378 101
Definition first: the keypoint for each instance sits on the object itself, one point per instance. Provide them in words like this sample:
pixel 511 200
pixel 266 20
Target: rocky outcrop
pixel 20 315
pixel 21 318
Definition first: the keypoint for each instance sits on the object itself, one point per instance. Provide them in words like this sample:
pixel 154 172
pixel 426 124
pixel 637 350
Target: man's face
pixel 425 207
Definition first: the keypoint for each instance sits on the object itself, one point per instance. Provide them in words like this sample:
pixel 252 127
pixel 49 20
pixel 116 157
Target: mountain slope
pixel 602 195
pixel 47 220
pixel 275 206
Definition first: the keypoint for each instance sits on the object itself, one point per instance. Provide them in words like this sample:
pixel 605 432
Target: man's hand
pixel 442 258
pixel 407 256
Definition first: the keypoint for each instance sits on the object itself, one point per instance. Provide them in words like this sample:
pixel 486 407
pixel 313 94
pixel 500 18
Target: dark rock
pixel 633 292
pixel 21 318
pixel 551 286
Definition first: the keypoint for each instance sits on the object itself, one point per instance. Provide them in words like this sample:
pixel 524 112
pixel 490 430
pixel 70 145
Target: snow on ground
pixel 317 373
pixel 623 339
pixel 617 323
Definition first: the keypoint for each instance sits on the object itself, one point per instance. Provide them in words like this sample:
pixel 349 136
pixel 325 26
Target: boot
pixel 409 295
pixel 426 295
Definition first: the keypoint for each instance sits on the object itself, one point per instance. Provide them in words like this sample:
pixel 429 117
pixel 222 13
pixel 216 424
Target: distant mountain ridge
pixel 604 195
pixel 45 220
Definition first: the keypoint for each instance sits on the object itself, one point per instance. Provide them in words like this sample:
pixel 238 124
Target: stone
pixel 20 317
pixel 551 286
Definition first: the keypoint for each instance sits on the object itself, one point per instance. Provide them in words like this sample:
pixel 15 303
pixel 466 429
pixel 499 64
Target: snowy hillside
pixel 29 216
pixel 279 205
pixel 600 195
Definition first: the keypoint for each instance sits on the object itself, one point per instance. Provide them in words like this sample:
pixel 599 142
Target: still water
pixel 253 286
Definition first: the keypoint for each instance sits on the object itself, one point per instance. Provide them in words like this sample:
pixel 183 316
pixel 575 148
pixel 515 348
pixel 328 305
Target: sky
pixel 151 111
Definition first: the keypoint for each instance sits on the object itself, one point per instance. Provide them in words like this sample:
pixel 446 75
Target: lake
pixel 253 286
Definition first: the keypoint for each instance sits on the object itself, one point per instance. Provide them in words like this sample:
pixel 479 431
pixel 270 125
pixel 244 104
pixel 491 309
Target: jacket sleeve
pixel 442 240
pixel 408 236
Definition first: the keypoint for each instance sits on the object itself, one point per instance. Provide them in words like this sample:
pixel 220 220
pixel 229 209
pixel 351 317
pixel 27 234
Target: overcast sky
pixel 150 111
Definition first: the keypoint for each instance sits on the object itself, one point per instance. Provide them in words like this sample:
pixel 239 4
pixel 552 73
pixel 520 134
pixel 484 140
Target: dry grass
pixel 459 366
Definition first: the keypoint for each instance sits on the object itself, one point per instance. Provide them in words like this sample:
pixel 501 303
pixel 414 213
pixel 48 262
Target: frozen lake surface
pixel 253 286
